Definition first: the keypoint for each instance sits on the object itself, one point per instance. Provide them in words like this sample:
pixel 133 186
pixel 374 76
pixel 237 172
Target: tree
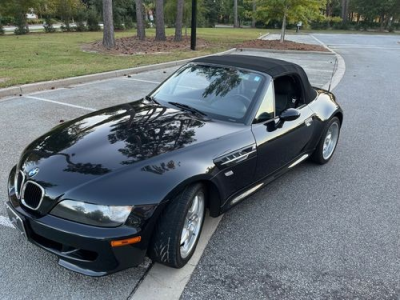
pixel 179 20
pixel 253 15
pixel 288 11
pixel 160 25
pixel 345 11
pixel 212 12
pixel 2 32
pixel 140 29
pixel 108 31
pixel 235 14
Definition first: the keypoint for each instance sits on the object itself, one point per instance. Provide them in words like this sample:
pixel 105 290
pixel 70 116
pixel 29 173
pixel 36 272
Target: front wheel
pixel 327 145
pixel 178 229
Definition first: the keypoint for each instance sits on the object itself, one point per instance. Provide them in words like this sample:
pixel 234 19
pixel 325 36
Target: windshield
pixel 219 92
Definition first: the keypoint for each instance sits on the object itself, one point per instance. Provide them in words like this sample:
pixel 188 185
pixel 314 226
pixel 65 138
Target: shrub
pixel 7 20
pixel 118 25
pixel 48 25
pixel 80 19
pixel 326 23
pixel 22 26
pixel 129 23
pixel 34 21
pixel 66 27
pixel 1 27
pixel 93 20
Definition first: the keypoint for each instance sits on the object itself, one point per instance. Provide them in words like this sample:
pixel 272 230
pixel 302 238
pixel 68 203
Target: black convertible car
pixel 103 190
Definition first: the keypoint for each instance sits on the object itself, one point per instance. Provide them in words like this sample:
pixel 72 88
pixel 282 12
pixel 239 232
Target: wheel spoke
pixel 192 225
pixel 185 236
pixel 331 139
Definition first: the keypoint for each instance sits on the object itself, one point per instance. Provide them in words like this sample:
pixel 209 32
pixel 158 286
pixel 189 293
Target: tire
pixel 168 245
pixel 320 156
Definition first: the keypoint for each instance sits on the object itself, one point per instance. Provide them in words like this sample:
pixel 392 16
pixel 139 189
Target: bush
pixel 80 19
pixel 326 23
pixel 1 27
pixel 93 20
pixel 34 21
pixel 118 25
pixel 129 23
pixel 7 20
pixel 22 26
pixel 391 29
pixel 48 25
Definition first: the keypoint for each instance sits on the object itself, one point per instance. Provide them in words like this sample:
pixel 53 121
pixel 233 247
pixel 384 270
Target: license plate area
pixel 16 220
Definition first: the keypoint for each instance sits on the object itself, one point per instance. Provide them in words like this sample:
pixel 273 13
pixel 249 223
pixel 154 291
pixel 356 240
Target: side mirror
pixel 290 114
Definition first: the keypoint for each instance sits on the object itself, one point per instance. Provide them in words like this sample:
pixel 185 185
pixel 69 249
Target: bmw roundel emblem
pixel 33 172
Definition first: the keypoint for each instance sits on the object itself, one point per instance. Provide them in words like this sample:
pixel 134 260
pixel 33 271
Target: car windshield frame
pixel 246 119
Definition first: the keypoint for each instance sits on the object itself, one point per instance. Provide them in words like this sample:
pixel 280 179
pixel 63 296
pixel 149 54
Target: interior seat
pixel 285 94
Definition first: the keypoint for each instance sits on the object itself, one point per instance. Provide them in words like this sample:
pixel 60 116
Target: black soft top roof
pixel 273 67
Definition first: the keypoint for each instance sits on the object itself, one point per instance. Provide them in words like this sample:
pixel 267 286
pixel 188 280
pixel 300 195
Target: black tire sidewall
pixel 180 260
pixel 318 154
pixel 170 225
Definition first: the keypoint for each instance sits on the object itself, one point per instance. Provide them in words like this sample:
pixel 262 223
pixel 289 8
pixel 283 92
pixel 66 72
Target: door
pixel 277 146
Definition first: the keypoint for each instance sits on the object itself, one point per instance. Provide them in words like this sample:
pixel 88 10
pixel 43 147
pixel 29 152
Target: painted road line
pixel 363 47
pixel 4 221
pixel 142 80
pixel 341 68
pixel 162 282
pixel 60 103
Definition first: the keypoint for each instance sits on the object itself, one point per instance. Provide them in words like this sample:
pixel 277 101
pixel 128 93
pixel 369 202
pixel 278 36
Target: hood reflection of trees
pixel 148 131
pixel 53 144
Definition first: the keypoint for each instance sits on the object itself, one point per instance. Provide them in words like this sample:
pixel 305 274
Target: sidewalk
pixel 298 38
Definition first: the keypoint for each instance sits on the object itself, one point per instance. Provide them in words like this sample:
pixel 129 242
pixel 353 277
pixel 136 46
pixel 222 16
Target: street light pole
pixel 194 25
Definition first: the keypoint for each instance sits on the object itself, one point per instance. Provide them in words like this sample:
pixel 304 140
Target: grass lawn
pixel 41 57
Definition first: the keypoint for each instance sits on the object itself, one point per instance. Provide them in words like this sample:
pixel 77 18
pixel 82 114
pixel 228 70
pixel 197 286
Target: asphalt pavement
pixel 327 232
pixel 324 232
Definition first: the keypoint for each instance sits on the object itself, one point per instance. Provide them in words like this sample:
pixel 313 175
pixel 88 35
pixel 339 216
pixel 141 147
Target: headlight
pixel 92 214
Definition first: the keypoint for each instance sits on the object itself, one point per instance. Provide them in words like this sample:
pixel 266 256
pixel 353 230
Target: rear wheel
pixel 178 229
pixel 327 145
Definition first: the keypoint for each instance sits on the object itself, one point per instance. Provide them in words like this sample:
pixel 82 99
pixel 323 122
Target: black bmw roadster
pixel 104 190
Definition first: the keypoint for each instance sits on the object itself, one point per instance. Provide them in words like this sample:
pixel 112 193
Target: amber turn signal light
pixel 133 240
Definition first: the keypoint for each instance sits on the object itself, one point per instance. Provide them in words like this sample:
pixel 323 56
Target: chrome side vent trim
pixel 236 156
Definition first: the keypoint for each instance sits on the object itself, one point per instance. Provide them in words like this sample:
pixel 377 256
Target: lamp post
pixel 194 25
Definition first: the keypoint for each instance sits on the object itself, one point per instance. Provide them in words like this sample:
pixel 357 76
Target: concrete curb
pixel 263 36
pixel 284 51
pixel 62 83
pixel 341 69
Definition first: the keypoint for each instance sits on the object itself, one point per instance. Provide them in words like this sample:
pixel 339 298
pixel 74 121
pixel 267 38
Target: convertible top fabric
pixel 273 67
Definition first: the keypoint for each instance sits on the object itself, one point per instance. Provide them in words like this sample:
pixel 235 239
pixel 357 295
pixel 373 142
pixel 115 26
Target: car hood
pixel 102 142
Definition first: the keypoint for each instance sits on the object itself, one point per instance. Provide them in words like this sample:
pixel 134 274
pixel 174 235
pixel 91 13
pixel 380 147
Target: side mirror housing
pixel 288 115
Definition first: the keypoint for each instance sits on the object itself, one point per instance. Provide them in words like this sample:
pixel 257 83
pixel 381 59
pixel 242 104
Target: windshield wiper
pixel 151 99
pixel 188 108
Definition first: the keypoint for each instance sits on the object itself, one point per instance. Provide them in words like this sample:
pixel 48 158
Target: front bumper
pixel 82 248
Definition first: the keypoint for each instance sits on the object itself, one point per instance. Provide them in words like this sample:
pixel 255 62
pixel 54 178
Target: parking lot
pixel 318 232
pixel 25 269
